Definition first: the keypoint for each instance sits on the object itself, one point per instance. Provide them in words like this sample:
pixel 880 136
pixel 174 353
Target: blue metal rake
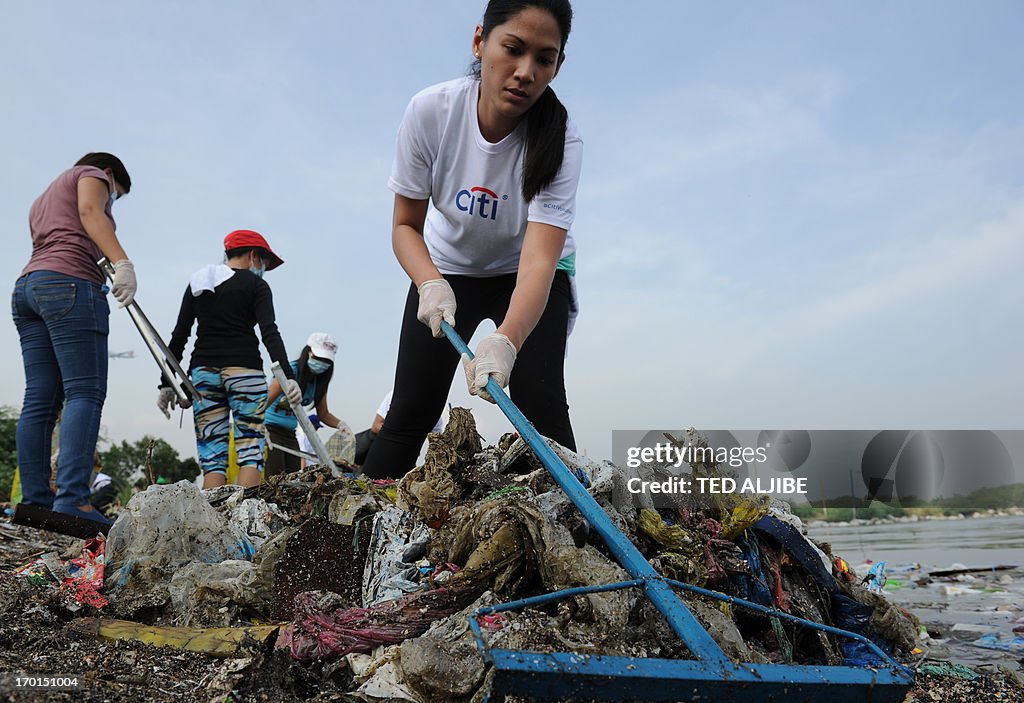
pixel 709 676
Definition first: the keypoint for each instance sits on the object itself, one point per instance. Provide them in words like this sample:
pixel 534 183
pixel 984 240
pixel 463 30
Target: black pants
pixel 426 366
pixel 279 462
pixel 364 440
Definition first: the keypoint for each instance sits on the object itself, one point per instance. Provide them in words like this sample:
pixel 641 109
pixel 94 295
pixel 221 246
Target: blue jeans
pixel 63 324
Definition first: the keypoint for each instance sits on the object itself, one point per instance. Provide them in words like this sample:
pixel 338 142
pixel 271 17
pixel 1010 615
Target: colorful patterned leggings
pixel 236 391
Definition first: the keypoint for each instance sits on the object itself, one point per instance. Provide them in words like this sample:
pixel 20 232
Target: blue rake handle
pixel 682 621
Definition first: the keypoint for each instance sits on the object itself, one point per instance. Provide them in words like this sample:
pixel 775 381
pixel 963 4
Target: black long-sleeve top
pixel 227 319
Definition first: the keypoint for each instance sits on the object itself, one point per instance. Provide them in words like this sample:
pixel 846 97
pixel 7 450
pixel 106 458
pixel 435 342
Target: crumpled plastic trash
pixel 444 663
pixel 876 578
pixel 341 446
pixel 674 537
pixel 85 577
pixel 724 631
pixel 396 543
pixel 162 529
pixel 257 519
pixel 381 679
pixel 345 508
pixel 430 489
pixel 77 581
pixel 1006 643
pixel 743 512
pixel 210 595
pixel 498 542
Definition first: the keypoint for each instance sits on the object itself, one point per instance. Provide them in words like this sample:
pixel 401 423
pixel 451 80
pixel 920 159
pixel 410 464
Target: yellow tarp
pixel 215 641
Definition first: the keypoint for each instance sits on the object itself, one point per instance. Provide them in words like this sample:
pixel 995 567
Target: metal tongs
pixel 170 368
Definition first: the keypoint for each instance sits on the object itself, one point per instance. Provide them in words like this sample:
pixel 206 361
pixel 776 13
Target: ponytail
pixel 545 143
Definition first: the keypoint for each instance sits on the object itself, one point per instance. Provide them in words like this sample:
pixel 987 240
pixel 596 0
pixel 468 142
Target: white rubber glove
pixel 167 401
pixel 495 357
pixel 124 284
pixel 437 302
pixel 294 394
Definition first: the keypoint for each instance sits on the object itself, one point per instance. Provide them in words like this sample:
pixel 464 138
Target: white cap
pixel 322 345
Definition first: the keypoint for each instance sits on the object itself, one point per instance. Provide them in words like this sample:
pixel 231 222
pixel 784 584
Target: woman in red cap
pixel 228 300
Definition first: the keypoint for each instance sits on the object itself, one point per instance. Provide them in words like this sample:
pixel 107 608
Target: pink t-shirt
pixel 59 241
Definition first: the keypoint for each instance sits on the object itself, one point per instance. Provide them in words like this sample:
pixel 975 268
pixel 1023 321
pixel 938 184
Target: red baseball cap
pixel 248 238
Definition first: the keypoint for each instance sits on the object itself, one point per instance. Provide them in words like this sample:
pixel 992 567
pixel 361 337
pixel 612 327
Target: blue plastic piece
pixel 710 676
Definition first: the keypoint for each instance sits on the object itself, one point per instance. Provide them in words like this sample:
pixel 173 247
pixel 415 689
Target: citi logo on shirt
pixel 478 201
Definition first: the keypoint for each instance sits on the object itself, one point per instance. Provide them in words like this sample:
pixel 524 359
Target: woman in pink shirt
pixel 60 309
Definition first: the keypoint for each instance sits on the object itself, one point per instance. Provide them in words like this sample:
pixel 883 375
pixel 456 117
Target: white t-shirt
pixel 477 215
pixel 385 405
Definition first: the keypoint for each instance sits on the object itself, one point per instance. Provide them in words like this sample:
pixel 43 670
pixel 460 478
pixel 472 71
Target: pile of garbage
pixel 368 586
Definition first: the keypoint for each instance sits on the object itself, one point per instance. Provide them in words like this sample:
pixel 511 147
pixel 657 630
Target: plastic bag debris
pixel 165 527
pixel 396 543
pixel 46 568
pixel 257 519
pixel 671 536
pixel 724 631
pixel 78 581
pixel 498 542
pixel 381 679
pixel 84 577
pixel 430 489
pixel 443 663
pixel 215 595
pixel 345 508
pixel 341 446
pixel 1006 643
pixel 876 578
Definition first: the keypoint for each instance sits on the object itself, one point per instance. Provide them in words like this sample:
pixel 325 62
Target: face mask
pixel 317 366
pixel 114 195
pixel 259 270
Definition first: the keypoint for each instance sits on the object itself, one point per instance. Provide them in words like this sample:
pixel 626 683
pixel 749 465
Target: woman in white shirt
pixel 485 179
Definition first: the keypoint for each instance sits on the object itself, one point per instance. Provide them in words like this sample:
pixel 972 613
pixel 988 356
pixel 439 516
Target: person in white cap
pixel 313 370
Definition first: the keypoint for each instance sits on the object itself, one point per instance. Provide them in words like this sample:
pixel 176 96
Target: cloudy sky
pixel 792 215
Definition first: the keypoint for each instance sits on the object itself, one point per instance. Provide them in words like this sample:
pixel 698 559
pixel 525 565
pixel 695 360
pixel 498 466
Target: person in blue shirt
pixel 313 370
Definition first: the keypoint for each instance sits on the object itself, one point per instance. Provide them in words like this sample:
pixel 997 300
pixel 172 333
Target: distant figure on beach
pixel 229 300
pixel 485 177
pixel 60 308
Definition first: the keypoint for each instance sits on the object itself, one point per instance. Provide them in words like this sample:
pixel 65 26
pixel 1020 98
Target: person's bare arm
pixel 542 247
pixel 325 414
pixel 273 392
pixel 407 239
pixel 93 194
